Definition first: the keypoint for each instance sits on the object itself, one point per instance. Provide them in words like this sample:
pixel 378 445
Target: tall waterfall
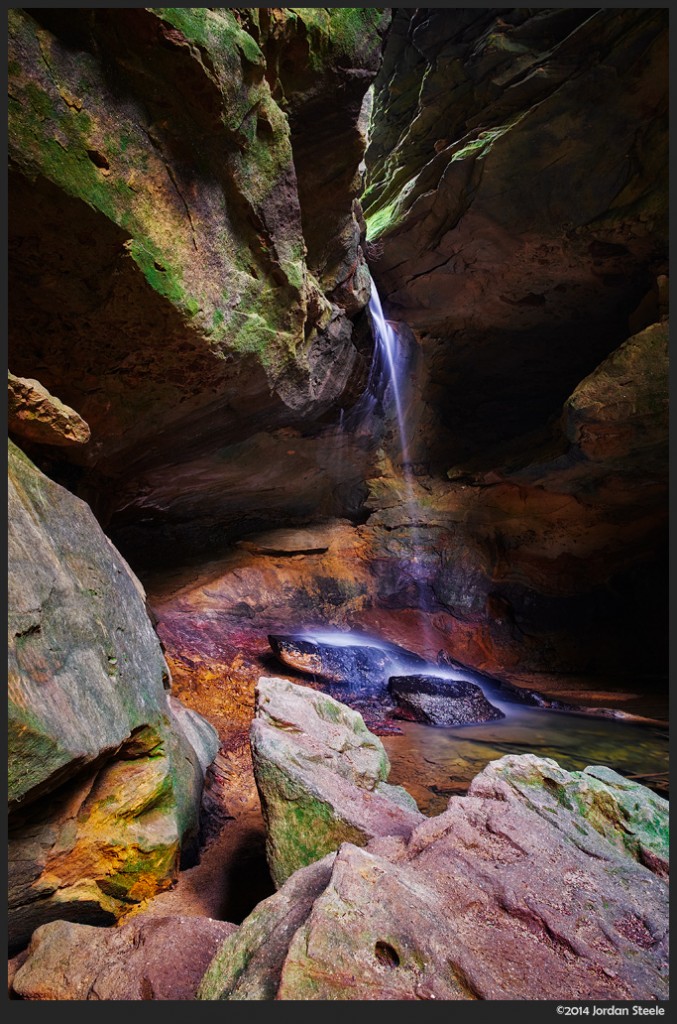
pixel 393 361
pixel 387 342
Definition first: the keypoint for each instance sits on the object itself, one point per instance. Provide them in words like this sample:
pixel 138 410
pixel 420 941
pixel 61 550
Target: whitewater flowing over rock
pixel 353 662
pixel 516 203
pixel 338 371
pixel 509 894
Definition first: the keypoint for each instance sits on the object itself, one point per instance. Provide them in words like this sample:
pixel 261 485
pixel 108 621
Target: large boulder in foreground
pixel 147 958
pixel 321 776
pixel 104 779
pixel 628 815
pixel 493 899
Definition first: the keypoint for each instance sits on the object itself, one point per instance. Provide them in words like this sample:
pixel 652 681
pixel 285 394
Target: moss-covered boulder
pixel 493 899
pixel 628 815
pixel 321 777
pixel 104 780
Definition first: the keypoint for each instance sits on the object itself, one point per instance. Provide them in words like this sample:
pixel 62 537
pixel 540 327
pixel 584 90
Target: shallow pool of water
pixel 435 763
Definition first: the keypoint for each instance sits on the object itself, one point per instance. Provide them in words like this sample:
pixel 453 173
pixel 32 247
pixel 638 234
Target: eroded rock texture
pixel 188 275
pixel 185 254
pixel 35 415
pixel 512 893
pixel 104 779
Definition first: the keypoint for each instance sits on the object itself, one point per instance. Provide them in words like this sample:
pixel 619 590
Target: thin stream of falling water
pixel 395 362
pixel 387 340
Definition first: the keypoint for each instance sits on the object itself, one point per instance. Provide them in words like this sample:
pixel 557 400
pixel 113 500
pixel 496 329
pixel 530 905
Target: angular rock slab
pixel 104 778
pixel 436 701
pixel 490 900
pixel 321 777
pixel 35 415
pixel 147 958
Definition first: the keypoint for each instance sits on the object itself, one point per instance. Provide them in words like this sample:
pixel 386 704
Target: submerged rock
pixel 437 701
pixel 147 958
pixel 357 666
pixel 321 776
pixel 490 900
pixel 104 779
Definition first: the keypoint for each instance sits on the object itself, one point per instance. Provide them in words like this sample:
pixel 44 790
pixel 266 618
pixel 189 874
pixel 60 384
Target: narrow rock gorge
pixel 338 503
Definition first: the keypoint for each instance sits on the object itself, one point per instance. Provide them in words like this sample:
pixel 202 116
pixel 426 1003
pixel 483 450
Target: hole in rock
pixel 387 954
pixel 98 159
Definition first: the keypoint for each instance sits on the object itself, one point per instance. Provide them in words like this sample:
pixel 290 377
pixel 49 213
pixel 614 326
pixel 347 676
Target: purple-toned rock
pixel 510 894
pixel 148 958
pixel 437 701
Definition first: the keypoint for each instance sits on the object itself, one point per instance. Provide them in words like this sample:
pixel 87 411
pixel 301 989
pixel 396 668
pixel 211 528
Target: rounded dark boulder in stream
pixel 435 701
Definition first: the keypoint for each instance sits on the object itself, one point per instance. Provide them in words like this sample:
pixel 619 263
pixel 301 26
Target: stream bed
pixel 435 763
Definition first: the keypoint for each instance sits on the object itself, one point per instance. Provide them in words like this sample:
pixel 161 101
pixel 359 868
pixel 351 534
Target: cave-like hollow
pixel 203 207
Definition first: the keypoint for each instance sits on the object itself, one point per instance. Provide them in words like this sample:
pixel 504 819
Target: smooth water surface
pixel 434 763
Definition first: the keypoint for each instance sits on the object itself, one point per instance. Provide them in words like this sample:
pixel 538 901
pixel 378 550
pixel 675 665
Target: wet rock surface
pixel 435 701
pixel 188 272
pixel 490 900
pixel 355 667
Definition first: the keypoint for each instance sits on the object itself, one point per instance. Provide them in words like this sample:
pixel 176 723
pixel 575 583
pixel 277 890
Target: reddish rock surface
pixel 491 900
pixel 151 957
